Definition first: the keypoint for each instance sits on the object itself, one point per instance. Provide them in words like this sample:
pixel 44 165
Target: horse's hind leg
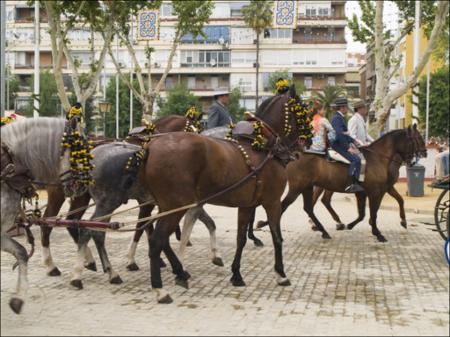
pixel 361 200
pixel 144 211
pixel 99 239
pixel 244 217
pixel 55 201
pixel 309 209
pixel 83 238
pixel 316 194
pixel 394 193
pixel 160 241
pixel 11 246
pixel 257 242
pixel 374 205
pixel 326 201
pixel 211 226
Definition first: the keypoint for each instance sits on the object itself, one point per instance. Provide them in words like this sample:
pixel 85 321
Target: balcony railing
pixel 321 17
pixel 318 40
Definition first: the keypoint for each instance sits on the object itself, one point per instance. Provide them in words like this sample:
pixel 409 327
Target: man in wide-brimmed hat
pixel 343 144
pixel 357 124
pixel 218 114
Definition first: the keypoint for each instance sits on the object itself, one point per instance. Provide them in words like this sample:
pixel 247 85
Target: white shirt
pixel 357 129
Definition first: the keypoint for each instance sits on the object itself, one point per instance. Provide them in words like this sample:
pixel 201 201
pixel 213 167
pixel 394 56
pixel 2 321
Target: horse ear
pixel 292 91
pixel 414 127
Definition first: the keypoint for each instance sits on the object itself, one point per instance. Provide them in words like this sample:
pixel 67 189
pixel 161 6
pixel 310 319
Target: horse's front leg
pixel 19 252
pixel 394 193
pixel 257 242
pixel 84 236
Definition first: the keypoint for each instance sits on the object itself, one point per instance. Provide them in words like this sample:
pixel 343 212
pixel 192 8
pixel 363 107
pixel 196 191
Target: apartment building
pixel 314 52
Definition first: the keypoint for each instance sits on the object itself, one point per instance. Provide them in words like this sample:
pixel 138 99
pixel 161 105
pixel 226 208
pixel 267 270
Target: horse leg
pixel 244 217
pixel 81 202
pixel 326 201
pixel 99 239
pixel 361 200
pixel 257 242
pixel 374 205
pixel 148 232
pixel 55 201
pixel 273 215
pixel 316 194
pixel 83 238
pixel 292 195
pixel 211 226
pixel 160 241
pixel 144 211
pixel 20 253
pixel 309 209
pixel 189 221
pixel 394 193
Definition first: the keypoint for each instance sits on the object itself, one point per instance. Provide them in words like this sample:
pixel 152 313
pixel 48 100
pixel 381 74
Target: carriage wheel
pixel 441 214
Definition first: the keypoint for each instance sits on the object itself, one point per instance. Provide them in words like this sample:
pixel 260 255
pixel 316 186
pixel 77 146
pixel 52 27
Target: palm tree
pixel 258 16
pixel 328 96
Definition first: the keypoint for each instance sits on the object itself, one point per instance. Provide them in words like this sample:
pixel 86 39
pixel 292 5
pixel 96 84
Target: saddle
pixel 333 156
pixel 15 174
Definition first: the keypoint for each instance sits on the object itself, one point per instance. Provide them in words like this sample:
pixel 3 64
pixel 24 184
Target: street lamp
pixel 104 107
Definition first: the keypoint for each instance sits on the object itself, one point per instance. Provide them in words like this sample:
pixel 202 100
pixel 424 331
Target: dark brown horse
pixel 56 198
pixel 317 171
pixel 183 169
pixel 393 177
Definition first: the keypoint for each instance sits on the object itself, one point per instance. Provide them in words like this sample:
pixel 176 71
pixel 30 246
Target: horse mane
pixel 390 133
pixel 36 144
pixel 264 107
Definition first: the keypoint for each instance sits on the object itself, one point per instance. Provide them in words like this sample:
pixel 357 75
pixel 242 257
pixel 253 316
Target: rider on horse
pixel 343 144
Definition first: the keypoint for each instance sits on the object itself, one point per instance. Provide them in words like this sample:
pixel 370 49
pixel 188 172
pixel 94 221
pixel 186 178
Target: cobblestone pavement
pixel 350 285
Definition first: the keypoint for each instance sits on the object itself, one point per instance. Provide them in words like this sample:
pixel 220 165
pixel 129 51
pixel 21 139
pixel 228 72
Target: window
pixel 235 8
pixel 214 82
pixel 191 82
pixel 205 58
pixel 308 82
pixel 308 34
pixel 166 10
pixel 279 33
pixel 331 80
pixel 214 34
pixel 323 11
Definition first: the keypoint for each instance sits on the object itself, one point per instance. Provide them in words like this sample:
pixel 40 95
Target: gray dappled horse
pixel 35 144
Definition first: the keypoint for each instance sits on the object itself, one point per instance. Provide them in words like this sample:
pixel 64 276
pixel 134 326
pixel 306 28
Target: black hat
pixel 340 102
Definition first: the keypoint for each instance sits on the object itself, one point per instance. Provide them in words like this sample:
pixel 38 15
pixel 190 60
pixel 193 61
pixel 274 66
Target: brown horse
pixel 56 199
pixel 317 171
pixel 393 177
pixel 184 169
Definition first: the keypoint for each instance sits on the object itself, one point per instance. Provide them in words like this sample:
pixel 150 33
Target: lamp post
pixel 104 107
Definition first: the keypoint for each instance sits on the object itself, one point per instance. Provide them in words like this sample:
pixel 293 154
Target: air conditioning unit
pixel 121 65
pixel 157 65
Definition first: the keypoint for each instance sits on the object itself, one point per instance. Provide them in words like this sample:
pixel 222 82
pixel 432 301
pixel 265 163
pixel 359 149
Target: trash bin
pixel 415 176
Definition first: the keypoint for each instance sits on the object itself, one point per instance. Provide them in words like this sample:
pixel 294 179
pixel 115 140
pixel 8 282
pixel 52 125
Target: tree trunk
pixel 257 72
pixel 380 87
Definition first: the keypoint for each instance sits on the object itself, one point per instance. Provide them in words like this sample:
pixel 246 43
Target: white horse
pixel 36 145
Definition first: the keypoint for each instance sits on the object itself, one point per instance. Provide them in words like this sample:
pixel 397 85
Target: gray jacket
pixel 218 115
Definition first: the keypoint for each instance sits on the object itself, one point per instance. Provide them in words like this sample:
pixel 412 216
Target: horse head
pixel 413 145
pixel 75 164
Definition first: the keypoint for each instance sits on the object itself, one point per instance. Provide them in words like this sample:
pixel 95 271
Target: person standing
pixel 357 124
pixel 344 145
pixel 218 114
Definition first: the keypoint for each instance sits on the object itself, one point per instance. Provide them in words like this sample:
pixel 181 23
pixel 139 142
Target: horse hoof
pixel 165 300
pixel 189 244
pixel 188 276
pixel 314 228
pixel 77 284
pixel 381 238
pixel 182 283
pixel 261 224
pixel 116 280
pixel 284 282
pixel 326 236
pixel 133 267
pixel 54 272
pixel 404 224
pixel 218 261
pixel 91 266
pixel 258 243
pixel 162 264
pixel 16 304
pixel 340 226
pixel 237 282
pixel 349 227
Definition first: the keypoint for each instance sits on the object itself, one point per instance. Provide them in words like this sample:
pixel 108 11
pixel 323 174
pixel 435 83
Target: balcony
pixel 318 40
pixel 321 17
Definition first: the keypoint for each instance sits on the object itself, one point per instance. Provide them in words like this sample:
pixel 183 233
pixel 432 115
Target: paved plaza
pixel 350 285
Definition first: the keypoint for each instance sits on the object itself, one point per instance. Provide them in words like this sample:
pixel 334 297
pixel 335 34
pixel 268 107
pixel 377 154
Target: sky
pixel 390 18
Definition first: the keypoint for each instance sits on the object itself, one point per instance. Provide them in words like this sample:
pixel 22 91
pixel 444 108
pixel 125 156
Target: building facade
pixel 314 52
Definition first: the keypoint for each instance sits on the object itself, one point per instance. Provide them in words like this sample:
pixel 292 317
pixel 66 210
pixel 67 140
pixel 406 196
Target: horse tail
pixel 134 162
